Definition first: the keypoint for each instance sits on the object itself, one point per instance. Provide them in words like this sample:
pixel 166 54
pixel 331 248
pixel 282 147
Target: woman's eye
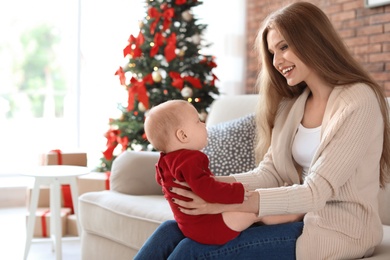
pixel 284 47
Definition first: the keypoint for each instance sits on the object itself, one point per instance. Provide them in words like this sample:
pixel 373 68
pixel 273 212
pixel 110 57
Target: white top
pixel 305 144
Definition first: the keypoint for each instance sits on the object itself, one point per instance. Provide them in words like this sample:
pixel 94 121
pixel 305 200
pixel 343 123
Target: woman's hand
pixel 196 206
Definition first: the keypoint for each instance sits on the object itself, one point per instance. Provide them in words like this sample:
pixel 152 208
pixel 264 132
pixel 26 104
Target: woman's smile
pixel 287 71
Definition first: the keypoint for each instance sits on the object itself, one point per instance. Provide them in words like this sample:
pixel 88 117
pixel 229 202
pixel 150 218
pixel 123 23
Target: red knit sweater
pixel 192 167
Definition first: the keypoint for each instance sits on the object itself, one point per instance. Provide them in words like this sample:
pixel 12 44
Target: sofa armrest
pixel 134 173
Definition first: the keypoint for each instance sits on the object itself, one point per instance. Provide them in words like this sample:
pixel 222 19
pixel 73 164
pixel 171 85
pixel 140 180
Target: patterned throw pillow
pixel 231 146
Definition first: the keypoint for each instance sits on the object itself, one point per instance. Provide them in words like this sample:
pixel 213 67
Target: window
pixel 36 77
pixel 57 80
pixel 376 3
pixel 57 65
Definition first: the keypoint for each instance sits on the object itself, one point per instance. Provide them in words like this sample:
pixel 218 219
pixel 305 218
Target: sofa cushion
pixel 126 219
pixel 231 146
pixel 134 173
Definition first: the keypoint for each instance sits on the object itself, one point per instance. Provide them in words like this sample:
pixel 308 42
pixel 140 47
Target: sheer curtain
pixel 226 30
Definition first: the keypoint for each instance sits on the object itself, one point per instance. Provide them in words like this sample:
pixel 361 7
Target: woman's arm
pixel 228 179
pixel 198 206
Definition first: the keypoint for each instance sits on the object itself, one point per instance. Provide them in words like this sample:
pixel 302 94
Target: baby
pixel 174 129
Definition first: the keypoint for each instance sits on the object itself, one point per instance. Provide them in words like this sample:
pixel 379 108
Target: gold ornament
pixel 180 52
pixel 141 107
pixel 156 76
pixel 186 92
pixel 187 15
pixel 196 39
pixel 140 24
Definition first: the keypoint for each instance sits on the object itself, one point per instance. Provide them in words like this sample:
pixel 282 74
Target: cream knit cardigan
pixel 340 192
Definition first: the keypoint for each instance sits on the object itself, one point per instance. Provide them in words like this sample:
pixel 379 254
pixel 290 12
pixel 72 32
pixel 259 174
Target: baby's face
pixel 195 128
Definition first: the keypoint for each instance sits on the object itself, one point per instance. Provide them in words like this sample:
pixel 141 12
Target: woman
pixel 324 130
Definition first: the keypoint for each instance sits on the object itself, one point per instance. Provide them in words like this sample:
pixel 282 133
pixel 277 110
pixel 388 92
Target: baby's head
pixel 175 125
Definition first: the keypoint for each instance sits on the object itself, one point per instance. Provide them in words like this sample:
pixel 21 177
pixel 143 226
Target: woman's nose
pixel 277 60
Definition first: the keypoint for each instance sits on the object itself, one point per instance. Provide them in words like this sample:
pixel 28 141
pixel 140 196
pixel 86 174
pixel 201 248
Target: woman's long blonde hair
pixel 311 36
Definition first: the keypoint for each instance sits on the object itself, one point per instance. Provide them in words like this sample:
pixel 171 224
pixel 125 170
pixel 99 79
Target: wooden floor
pixel 13 235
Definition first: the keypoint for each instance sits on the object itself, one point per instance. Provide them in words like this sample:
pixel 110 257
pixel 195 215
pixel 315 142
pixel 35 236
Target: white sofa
pixel 115 223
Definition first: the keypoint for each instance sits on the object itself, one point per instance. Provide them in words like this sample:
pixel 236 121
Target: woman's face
pixel 285 61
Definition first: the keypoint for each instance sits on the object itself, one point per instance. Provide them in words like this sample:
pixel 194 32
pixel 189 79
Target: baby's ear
pixel 182 136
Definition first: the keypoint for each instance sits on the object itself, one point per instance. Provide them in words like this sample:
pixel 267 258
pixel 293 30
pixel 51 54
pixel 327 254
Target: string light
pixel 197 100
pixel 189 100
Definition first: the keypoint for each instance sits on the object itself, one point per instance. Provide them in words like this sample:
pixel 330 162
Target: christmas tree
pixel 163 62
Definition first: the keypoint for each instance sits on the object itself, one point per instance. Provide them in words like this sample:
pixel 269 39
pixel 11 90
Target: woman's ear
pixel 182 136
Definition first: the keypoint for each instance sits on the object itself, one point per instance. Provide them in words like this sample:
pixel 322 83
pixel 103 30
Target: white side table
pixel 53 175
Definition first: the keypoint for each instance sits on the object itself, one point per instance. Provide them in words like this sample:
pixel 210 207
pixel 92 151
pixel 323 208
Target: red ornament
pixel 138 88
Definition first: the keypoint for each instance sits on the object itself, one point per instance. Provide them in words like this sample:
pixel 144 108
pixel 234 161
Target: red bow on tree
pixel 209 62
pixel 158 41
pixel 124 141
pixel 170 48
pixel 111 136
pixel 180 2
pixel 178 81
pixel 138 88
pixel 121 75
pixel 134 46
pixel 167 15
pixel 113 139
pixel 213 80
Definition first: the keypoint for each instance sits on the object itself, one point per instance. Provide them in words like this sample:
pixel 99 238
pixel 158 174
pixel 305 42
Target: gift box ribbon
pixel 43 223
pixel 65 188
pixel 108 174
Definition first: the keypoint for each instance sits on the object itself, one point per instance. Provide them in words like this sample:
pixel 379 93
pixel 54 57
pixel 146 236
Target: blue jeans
pixel 256 242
